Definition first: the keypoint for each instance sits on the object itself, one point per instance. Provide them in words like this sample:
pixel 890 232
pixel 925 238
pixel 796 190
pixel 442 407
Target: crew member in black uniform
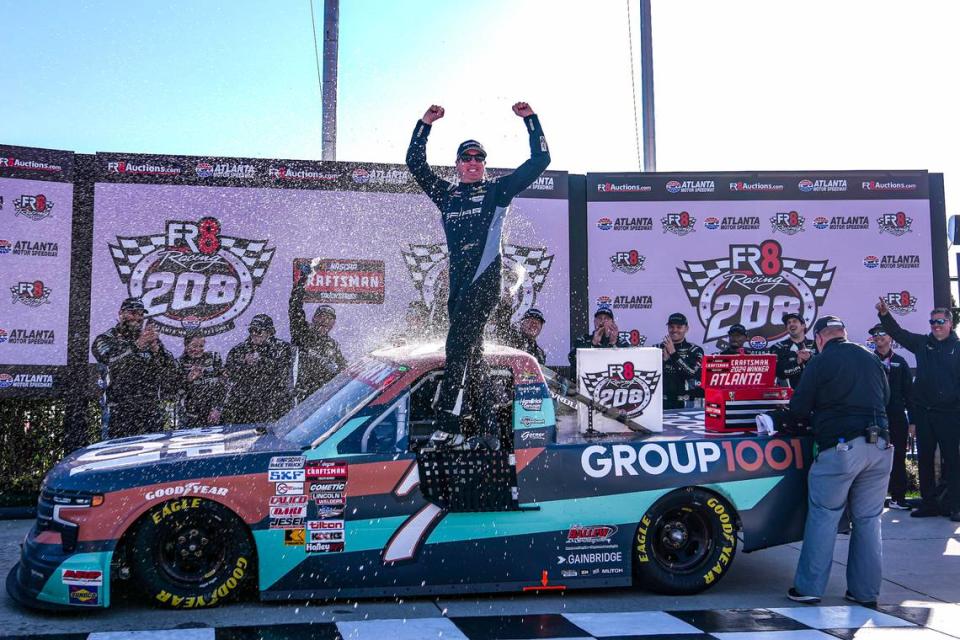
pixel 524 335
pixel 605 335
pixel 936 406
pixel 736 338
pixel 140 372
pixel 318 355
pixel 201 383
pixel 472 212
pixel 899 410
pixel 794 352
pixel 682 362
pixel 258 374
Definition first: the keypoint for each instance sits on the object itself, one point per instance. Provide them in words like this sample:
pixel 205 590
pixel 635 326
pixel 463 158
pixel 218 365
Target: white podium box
pixel 627 380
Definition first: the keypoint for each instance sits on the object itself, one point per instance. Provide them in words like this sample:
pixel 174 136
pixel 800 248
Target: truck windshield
pixel 323 412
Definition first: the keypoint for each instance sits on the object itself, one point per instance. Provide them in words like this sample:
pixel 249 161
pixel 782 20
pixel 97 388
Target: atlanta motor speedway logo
pixel 623 388
pixel 754 286
pixel 192 277
pixel 525 272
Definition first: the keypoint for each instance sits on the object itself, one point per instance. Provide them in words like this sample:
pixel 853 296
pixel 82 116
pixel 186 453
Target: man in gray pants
pixel 845 392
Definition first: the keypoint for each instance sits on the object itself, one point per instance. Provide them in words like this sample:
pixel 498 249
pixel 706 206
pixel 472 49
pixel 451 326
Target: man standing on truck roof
pixel 845 392
pixel 473 212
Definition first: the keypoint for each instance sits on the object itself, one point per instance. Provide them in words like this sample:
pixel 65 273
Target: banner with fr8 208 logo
pixel 207 244
pixel 727 249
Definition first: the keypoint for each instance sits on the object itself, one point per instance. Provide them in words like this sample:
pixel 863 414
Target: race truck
pixel 343 498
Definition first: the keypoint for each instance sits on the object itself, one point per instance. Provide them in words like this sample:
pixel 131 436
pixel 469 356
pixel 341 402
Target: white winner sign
pixel 627 381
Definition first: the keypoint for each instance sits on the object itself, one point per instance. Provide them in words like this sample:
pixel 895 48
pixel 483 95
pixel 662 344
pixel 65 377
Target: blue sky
pixel 740 85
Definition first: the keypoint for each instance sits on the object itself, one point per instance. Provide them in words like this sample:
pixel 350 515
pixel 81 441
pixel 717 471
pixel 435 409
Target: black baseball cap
pixel 790 314
pixel 877 330
pixel 326 310
pixel 262 322
pixel 468 146
pixel 827 321
pixel 132 304
pixel 603 310
pixel 534 313
pixel 677 318
pixel 737 328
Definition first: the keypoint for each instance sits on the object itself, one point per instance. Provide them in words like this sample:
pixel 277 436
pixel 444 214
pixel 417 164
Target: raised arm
pixel 530 170
pixel 912 341
pixel 432 184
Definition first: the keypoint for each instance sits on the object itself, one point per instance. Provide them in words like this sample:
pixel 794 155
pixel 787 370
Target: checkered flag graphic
pixel 813 272
pixel 128 252
pixel 591 380
pixel 534 260
pixel 421 258
pixel 698 274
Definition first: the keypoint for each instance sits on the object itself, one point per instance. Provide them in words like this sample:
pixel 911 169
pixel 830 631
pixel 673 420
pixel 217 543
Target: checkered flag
pixel 534 260
pixel 698 274
pixel 590 380
pixel 128 252
pixel 814 273
pixel 421 258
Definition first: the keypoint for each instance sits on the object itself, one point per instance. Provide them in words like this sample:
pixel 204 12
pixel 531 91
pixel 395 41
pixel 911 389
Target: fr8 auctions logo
pixel 623 388
pixel 754 286
pixel 628 261
pixel 192 277
pixel 32 294
pixel 896 224
pixel 901 303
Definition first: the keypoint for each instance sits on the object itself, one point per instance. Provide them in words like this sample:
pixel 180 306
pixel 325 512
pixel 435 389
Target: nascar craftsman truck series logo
pixel 623 388
pixel 754 286
pixel 192 276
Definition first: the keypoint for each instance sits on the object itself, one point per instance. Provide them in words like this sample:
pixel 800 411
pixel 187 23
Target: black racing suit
pixel 936 409
pixel 519 340
pixel 789 369
pixel 139 379
pixel 586 342
pixel 473 215
pixel 899 408
pixel 204 393
pixel 681 374
pixel 318 356
pixel 259 390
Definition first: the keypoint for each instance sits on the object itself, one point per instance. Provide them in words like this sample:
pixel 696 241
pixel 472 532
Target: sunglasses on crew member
pixel 938 321
pixel 470 157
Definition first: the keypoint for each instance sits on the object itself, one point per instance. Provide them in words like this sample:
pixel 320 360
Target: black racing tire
pixel 191 553
pixel 685 542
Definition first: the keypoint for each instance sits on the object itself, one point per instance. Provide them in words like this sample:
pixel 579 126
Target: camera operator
pixel 844 391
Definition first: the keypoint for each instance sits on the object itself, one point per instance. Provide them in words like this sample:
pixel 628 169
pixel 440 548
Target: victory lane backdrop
pixel 36 221
pixel 209 243
pixel 726 249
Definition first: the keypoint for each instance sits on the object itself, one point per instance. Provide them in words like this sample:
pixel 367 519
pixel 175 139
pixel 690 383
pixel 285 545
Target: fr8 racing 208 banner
pixel 729 249
pixel 207 243
pixel 36 226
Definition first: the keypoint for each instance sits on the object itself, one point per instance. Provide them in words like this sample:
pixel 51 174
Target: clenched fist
pixel 522 109
pixel 434 113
